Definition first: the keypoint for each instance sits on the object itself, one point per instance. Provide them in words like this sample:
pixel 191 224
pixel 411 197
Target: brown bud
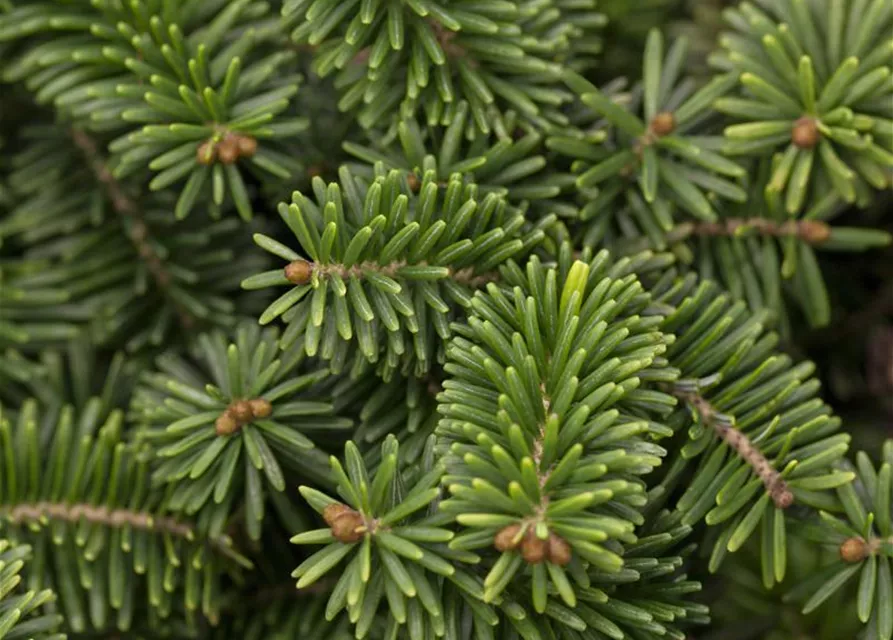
pixel 505 540
pixel 347 528
pixel 854 550
pixel 333 511
pixel 228 150
pixel 559 551
pixel 814 231
pixel 247 146
pixel 298 271
pixel 533 549
pixel 206 153
pixel 226 425
pixel 805 133
pixel 414 183
pixel 260 408
pixel 344 522
pixel 783 498
pixel 241 411
pixel 663 124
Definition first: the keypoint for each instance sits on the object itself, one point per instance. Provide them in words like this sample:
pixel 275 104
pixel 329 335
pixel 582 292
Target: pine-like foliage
pixel 444 319
pixel 380 265
pixel 20 612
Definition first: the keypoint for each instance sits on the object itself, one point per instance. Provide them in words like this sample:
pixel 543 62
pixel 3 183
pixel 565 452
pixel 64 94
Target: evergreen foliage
pixel 20 612
pixel 525 354
pixel 389 256
pixel 102 538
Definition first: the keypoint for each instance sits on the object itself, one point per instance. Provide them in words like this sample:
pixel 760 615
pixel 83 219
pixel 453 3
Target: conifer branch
pixel 724 427
pixel 136 228
pixel 523 295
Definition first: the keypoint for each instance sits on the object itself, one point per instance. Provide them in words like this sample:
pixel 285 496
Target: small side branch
pixel 301 272
pixel 136 229
pixel 813 232
pixel 775 485
pixel 38 512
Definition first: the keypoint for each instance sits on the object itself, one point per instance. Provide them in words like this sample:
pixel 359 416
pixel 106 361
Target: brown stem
pixel 775 485
pixel 810 231
pixel 300 272
pixel 39 511
pixel 543 475
pixel 137 230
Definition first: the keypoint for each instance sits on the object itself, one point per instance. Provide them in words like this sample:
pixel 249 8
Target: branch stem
pixel 775 485
pixel 300 272
pixel 39 511
pixel 137 231
pixel 813 232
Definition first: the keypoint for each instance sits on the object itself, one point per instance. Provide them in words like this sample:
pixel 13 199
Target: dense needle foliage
pixel 446 319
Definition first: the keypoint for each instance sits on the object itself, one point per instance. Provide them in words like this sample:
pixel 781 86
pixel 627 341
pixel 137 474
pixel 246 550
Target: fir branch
pixel 201 70
pixel 233 412
pixel 502 58
pixel 484 304
pixel 822 113
pixel 388 511
pixel 108 494
pixel 863 537
pixel 136 228
pixel 421 256
pixel 742 445
pixel 539 403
